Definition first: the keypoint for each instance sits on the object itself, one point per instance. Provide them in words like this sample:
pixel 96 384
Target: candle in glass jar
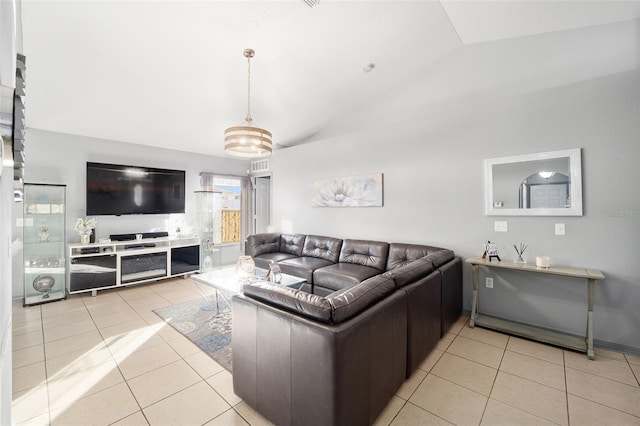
pixel 543 261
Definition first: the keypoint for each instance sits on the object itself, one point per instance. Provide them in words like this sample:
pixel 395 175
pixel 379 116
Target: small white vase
pixel 84 239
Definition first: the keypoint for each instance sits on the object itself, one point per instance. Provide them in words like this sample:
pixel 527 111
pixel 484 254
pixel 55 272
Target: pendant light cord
pixel 249 89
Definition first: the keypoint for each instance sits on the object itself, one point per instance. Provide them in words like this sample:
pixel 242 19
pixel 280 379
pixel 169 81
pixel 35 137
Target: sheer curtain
pixel 246 209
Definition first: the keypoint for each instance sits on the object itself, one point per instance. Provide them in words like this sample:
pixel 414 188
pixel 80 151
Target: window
pixel 228 209
pixel 228 206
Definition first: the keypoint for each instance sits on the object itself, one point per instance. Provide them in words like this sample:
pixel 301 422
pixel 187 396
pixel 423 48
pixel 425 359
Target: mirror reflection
pixel 539 184
pixel 545 189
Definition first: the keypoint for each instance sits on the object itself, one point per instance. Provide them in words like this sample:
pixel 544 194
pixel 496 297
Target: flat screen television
pixel 114 189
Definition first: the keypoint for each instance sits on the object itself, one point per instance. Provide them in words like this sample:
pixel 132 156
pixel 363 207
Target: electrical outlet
pixel 488 282
pixel 559 228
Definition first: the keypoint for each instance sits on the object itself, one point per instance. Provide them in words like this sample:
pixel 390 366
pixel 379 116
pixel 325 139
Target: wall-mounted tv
pixel 114 189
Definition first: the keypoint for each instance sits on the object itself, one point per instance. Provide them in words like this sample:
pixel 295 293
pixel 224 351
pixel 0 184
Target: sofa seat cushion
pixel 264 260
pixel 349 302
pixel 327 248
pixel 342 275
pixel 363 252
pixel 303 267
pixel 300 302
pixel 411 272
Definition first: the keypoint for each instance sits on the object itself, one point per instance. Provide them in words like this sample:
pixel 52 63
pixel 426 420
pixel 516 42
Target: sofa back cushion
pixel 401 254
pixel 262 243
pixel 322 247
pixel 351 301
pixel 332 309
pixel 441 257
pixel 289 299
pixel 292 244
pixel 411 272
pixel 366 253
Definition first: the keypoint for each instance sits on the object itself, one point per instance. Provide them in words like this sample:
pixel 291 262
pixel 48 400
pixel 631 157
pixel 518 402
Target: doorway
pixel 262 204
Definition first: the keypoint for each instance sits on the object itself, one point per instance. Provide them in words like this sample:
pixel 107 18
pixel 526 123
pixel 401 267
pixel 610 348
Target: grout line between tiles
pixel 495 378
pixel 182 286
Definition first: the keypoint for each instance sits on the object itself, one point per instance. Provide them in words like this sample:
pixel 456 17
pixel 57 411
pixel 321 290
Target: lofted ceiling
pixel 172 74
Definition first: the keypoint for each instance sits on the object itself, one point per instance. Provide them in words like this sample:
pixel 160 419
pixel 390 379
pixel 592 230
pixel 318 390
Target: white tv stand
pixel 101 266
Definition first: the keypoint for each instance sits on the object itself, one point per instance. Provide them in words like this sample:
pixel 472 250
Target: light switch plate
pixel 559 228
pixel 500 226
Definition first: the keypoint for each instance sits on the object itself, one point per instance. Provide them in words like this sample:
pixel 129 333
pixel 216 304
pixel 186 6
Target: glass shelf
pixel 207 224
pixel 44 235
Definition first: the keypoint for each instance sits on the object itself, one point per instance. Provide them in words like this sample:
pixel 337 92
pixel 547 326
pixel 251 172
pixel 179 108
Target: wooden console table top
pixel 567 271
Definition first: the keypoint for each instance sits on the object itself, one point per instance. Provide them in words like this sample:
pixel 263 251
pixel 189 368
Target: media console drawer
pixel 142 267
pixel 87 273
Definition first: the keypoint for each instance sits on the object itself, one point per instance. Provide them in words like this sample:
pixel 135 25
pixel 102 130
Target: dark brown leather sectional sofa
pixel 336 351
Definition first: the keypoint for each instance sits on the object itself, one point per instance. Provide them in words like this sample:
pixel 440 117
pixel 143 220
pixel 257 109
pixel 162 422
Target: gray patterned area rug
pixel 202 323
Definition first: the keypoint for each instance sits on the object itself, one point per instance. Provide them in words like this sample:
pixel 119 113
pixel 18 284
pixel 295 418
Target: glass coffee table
pixel 228 280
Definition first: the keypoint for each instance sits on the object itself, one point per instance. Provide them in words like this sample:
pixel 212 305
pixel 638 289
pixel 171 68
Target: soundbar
pixel 90 250
pixel 131 237
pixel 141 245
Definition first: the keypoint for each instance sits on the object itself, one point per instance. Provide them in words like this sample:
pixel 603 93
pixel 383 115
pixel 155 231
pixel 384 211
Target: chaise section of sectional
pixel 302 359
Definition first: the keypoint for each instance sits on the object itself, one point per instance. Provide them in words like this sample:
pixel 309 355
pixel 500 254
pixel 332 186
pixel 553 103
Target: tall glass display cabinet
pixel 208 205
pixel 44 238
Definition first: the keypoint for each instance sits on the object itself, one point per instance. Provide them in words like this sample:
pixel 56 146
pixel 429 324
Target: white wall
pixel 434 194
pixel 10 44
pixel 6 195
pixel 61 159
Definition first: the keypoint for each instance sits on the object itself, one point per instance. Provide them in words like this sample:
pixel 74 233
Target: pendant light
pixel 246 139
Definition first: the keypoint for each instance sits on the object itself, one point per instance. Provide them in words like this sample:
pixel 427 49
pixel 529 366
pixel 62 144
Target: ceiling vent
pixel 260 166
pixel 312 3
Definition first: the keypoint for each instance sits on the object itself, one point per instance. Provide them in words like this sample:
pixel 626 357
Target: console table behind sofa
pixel 529 331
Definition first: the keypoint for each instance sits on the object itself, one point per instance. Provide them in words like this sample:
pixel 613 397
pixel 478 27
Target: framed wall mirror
pixel 540 184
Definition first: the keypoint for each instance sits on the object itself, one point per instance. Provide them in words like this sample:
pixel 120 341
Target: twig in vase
pixel 520 251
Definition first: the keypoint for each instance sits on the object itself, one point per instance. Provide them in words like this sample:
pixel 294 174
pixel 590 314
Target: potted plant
pixel 83 227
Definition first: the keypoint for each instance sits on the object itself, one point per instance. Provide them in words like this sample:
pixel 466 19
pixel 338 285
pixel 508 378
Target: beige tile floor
pixel 110 360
